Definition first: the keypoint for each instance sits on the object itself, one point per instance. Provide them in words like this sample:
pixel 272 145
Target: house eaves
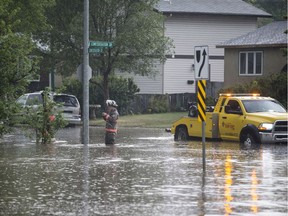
pixel 212 7
pixel 271 35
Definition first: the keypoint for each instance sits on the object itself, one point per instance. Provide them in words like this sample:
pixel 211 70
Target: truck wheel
pixel 248 139
pixel 181 134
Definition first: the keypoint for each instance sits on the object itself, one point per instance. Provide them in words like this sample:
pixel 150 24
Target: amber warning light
pixel 237 94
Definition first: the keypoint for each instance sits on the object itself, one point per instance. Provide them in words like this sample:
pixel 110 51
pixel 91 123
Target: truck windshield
pixel 253 106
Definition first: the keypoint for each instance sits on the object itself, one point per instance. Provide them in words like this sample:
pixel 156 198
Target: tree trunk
pixel 105 87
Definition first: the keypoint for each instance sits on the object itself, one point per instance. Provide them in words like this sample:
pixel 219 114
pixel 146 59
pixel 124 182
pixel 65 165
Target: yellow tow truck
pixel 248 118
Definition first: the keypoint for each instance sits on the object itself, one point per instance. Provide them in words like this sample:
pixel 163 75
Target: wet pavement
pixel 145 173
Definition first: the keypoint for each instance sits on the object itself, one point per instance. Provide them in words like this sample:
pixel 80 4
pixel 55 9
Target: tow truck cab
pixel 238 117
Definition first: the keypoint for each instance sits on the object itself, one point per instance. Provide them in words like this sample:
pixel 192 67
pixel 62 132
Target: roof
pixel 222 7
pixel 271 35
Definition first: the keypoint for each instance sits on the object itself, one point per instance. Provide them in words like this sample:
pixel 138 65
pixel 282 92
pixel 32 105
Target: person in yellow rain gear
pixel 111 116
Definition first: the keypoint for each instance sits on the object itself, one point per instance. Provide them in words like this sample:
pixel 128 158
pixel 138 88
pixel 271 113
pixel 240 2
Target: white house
pixel 191 23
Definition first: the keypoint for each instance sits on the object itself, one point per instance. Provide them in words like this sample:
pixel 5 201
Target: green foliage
pixel 158 104
pixel 73 86
pixel 44 119
pixel 134 27
pixel 17 62
pixel 278 8
pixel 64 37
pixel 210 101
pixel 16 67
pixel 121 90
pixel 136 31
pixel 273 86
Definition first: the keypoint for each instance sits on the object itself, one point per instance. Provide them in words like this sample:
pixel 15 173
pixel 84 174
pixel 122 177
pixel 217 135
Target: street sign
pixel 101 44
pixel 201 62
pixel 95 49
pixel 79 72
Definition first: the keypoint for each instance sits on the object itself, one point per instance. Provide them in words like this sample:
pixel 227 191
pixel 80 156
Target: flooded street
pixel 145 173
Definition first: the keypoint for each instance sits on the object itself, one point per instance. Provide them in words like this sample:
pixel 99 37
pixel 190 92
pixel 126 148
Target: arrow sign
pixel 201 63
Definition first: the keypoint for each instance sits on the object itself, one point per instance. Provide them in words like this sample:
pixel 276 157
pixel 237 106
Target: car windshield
pixel 253 106
pixel 66 100
pixel 22 100
pixel 34 99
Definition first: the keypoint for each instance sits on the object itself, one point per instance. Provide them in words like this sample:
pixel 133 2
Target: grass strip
pixel 157 120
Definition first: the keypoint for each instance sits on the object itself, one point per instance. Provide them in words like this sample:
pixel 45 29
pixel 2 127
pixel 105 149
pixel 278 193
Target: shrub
pixel 158 104
pixel 274 86
pixel 121 90
pixel 45 120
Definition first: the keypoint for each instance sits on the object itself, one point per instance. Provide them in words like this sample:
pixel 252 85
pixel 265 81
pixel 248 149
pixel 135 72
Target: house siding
pixel 188 31
pixel 152 84
pixel 273 62
pixel 177 73
pixel 198 30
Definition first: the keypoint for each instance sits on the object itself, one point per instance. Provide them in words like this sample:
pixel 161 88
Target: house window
pixel 250 63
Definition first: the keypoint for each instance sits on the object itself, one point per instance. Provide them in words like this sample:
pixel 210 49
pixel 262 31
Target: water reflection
pixel 86 167
pixel 145 173
pixel 228 183
pixel 254 195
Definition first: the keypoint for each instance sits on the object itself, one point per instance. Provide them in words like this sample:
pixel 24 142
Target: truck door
pixel 231 120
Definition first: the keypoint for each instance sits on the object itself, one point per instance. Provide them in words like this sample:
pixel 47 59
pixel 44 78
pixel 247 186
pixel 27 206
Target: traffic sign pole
pixel 201 66
pixel 201 96
pixel 85 117
pixel 203 147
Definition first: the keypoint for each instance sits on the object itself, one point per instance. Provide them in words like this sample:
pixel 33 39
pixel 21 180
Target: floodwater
pixel 145 173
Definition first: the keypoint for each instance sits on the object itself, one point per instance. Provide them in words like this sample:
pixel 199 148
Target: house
pixel 256 54
pixel 191 23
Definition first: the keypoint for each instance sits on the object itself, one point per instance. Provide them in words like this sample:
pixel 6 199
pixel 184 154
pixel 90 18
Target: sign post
pixel 85 138
pixel 201 63
pixel 201 96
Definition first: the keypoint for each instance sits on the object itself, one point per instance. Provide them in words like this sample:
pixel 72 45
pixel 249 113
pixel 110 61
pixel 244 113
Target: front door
pixel 231 123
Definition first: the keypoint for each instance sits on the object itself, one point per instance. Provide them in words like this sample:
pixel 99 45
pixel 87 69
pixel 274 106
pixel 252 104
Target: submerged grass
pixel 159 120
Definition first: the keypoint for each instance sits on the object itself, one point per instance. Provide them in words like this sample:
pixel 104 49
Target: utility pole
pixel 85 77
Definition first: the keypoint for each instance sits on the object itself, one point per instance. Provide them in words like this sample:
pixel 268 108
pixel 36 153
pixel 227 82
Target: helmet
pixel 111 103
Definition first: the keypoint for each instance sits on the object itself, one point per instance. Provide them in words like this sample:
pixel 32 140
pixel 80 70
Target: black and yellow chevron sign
pixel 201 96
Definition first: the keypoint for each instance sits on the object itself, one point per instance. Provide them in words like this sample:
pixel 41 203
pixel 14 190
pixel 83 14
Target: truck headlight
pixel 265 127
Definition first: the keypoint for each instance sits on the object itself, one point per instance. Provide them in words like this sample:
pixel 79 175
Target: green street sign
pixel 100 44
pixel 95 50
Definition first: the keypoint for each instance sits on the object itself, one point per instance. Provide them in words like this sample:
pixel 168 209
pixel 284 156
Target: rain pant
pixel 111 125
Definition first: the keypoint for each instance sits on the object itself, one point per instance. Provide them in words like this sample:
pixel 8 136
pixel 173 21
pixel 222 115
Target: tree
pixel 133 26
pixel 137 33
pixel 17 62
pixel 278 8
pixel 63 41
pixel 45 120
pixel 121 89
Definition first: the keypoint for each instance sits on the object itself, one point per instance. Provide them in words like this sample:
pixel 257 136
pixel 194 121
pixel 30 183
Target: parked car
pixel 67 104
pixel 70 107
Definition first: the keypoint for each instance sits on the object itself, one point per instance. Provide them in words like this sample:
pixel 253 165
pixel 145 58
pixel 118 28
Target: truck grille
pixel 281 126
